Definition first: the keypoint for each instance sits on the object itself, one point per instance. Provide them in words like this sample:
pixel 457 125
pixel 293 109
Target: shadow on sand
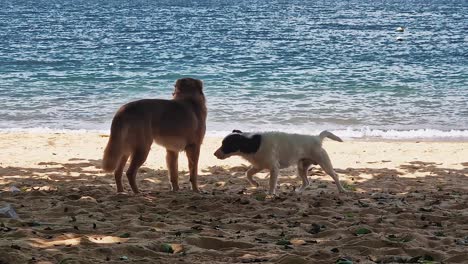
pixel 70 212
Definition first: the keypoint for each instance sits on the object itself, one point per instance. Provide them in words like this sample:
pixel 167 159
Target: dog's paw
pixel 343 191
pixel 272 194
pixel 254 183
pixel 300 189
pixel 174 188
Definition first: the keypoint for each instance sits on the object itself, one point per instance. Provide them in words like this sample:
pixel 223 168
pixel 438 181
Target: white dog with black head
pixel 277 150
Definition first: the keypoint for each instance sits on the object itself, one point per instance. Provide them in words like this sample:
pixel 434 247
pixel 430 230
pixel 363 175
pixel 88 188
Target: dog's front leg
pixel 250 173
pixel 193 153
pixel 273 180
pixel 172 169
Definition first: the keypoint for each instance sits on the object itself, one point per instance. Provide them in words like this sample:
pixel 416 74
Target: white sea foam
pixel 349 133
pixel 405 134
pixel 46 130
pixel 368 133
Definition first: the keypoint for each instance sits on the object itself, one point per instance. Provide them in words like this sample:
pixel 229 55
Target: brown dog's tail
pixel 329 135
pixel 114 148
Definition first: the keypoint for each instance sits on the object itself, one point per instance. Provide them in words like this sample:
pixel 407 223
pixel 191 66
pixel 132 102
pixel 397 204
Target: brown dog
pixel 178 125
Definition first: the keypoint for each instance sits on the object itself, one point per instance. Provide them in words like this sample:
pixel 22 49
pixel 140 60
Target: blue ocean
pixel 298 66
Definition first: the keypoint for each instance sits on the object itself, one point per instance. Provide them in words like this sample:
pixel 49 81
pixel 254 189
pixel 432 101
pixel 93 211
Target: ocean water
pixel 300 66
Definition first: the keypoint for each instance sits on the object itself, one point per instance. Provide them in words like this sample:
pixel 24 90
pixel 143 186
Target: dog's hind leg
pixel 302 167
pixel 138 158
pixel 326 165
pixel 193 153
pixel 119 171
pixel 172 168
pixel 250 173
pixel 273 180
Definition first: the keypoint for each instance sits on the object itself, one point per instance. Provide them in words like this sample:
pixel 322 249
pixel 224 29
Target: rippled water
pixel 287 65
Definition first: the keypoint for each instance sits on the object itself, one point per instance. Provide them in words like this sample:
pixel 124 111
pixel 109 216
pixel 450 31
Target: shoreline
pixel 220 135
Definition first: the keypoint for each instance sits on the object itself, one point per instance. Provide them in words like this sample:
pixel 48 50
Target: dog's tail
pixel 329 135
pixel 114 148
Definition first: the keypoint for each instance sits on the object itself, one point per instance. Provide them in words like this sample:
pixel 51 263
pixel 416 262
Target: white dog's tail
pixel 329 135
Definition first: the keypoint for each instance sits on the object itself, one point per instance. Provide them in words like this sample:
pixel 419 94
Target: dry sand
pixel 410 198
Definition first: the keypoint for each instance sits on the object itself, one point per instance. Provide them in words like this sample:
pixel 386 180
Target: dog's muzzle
pixel 219 154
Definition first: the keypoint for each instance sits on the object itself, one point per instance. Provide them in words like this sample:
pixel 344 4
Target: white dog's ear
pixel 236 131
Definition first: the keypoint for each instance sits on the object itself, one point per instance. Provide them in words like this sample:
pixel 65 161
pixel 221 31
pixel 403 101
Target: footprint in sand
pixel 216 244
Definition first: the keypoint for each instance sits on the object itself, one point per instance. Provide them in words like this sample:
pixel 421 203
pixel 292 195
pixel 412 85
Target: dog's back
pixel 286 148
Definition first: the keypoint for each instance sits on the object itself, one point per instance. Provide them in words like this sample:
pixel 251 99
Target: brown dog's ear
pixel 189 85
pixel 200 83
pixel 236 131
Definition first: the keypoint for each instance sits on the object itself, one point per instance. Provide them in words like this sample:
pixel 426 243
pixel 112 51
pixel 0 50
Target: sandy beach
pixel 407 203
